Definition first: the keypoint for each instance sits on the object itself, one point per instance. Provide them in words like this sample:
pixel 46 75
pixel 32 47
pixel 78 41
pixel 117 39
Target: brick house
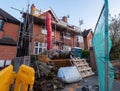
pixel 9 27
pixel 64 35
pixel 87 37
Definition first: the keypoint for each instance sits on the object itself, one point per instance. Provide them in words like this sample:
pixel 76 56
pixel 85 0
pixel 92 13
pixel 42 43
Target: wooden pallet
pixel 82 66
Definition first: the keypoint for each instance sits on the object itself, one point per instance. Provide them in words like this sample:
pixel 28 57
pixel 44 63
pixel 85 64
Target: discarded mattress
pixel 69 74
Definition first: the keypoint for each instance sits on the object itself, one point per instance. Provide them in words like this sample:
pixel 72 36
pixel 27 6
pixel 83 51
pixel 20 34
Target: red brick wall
pixel 7 52
pixel 57 35
pixel 92 60
pixel 11 30
pixel 44 16
pixel 85 43
pixel 74 41
pixel 87 39
pixel 38 36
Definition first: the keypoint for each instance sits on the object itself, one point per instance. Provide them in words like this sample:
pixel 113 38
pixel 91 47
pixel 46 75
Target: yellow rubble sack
pixel 6 78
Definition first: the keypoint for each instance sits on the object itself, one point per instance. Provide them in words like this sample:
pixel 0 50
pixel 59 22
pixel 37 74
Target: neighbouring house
pixel 64 35
pixel 9 28
pixel 87 37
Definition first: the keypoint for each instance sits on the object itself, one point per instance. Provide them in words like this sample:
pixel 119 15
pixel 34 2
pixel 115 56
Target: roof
pixel 86 32
pixel 7 17
pixel 39 20
pixel 7 40
pixel 52 12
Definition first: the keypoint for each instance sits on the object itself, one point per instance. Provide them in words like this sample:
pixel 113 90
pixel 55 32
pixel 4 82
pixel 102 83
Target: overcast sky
pixel 86 10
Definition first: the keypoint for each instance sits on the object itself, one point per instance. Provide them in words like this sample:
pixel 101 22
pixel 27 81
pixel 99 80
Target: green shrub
pixel 86 55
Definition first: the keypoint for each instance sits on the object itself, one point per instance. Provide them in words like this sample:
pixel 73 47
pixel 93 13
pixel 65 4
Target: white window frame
pixel 40 45
pixel 44 31
pixel 79 38
pixel 2 63
pixel 66 48
pixel 67 35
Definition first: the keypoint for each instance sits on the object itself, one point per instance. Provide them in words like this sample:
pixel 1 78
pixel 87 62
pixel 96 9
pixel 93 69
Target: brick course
pixel 7 52
pixel 11 30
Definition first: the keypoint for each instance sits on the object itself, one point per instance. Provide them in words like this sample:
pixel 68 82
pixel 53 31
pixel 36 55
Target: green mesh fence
pixel 100 45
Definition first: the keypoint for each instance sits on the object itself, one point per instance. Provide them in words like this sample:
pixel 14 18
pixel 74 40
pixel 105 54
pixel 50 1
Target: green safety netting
pixel 102 45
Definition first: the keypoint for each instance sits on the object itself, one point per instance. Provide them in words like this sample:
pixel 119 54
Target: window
pixel 1 24
pixel 67 35
pixel 44 31
pixel 79 38
pixel 66 48
pixel 2 63
pixel 39 47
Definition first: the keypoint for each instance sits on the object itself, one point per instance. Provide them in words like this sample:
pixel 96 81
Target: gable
pixel 7 17
pixel 85 33
pixel 43 15
pixel 90 33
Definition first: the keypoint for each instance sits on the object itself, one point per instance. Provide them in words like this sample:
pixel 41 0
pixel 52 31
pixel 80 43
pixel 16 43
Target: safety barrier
pixel 23 79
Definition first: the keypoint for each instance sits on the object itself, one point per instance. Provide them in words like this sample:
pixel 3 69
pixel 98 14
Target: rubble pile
pixel 45 77
pixel 58 54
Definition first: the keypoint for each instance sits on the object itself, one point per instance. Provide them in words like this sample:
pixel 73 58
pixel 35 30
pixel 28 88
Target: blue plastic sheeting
pixel 69 74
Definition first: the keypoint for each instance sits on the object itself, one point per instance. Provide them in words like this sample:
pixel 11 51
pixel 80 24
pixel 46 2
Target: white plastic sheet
pixel 69 74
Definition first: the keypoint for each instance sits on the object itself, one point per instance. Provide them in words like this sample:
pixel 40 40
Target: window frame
pixel 44 31
pixel 79 39
pixel 1 24
pixel 67 35
pixel 39 46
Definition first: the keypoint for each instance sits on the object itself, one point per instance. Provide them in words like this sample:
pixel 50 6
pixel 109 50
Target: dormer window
pixel 1 24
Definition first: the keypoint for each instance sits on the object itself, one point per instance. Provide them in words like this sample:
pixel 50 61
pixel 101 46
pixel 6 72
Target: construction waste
pixel 45 77
pixel 50 76
pixel 69 74
pixel 82 66
pixel 58 54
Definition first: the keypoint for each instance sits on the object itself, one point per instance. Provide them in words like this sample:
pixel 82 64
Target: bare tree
pixel 114 28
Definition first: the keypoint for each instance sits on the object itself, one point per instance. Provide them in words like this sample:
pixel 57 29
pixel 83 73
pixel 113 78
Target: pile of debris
pixel 58 54
pixel 45 77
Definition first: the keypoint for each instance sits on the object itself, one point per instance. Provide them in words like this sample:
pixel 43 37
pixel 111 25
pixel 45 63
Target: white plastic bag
pixel 69 74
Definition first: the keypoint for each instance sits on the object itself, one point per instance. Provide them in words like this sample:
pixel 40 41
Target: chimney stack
pixel 32 9
pixel 64 18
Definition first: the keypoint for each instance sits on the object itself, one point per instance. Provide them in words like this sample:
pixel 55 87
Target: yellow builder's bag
pixel 23 79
